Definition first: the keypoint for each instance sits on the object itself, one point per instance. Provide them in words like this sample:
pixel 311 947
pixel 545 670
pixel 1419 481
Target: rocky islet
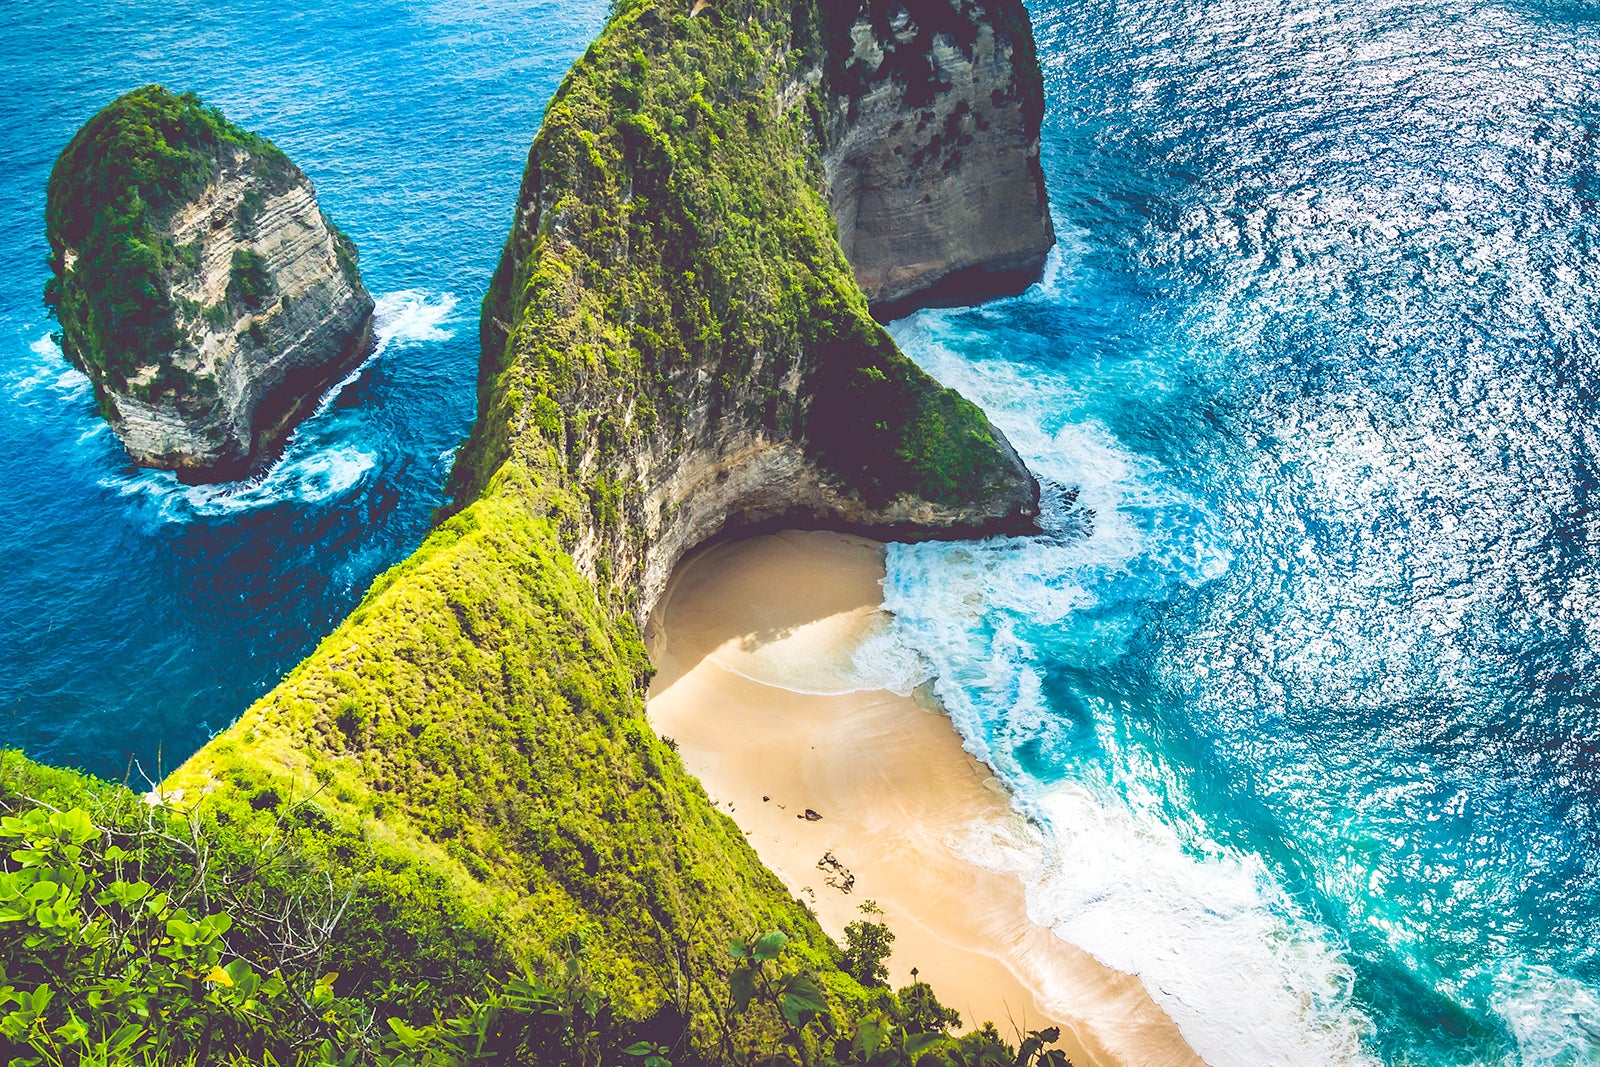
pixel 198 284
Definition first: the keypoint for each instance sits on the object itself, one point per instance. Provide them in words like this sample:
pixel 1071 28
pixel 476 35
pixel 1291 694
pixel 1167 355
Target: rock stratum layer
pixel 198 284
pixel 932 154
pixel 674 346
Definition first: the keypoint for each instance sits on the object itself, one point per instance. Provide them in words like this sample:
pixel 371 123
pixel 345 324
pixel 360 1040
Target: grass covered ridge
pixel 477 725
pixel 479 718
pixel 673 253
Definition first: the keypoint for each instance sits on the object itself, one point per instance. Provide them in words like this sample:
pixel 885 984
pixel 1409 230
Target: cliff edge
pixel 676 324
pixel 198 284
pixel 675 345
pixel 932 150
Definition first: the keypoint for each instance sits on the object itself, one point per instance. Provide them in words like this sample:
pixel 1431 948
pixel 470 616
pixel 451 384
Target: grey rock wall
pixel 932 160
pixel 252 365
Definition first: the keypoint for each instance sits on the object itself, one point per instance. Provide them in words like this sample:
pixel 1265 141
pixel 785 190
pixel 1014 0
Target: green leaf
pixel 742 983
pixel 243 979
pixel 870 1032
pixel 917 1044
pixel 122 1039
pixel 74 826
pixel 72 1031
pixel 769 946
pixel 802 997
pixel 406 1037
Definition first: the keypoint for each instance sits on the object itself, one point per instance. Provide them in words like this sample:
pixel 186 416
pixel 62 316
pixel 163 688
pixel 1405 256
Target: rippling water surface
pixel 1305 688
pixel 1300 684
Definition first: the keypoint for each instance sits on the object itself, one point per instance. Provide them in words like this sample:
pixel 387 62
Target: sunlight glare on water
pixel 1302 688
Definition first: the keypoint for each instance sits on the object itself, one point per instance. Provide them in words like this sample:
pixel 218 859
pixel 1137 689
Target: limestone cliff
pixel 674 346
pixel 198 284
pixel 703 369
pixel 932 154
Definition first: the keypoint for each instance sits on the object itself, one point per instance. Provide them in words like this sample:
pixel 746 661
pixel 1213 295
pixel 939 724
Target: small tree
pixel 920 1012
pixel 866 946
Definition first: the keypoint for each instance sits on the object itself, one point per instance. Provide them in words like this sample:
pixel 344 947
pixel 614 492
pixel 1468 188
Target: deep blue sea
pixel 1301 686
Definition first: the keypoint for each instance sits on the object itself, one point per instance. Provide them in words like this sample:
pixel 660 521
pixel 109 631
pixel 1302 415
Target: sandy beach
pixel 763 646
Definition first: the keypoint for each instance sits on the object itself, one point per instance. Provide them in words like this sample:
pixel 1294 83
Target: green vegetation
pixel 683 234
pixel 921 1012
pixel 455 806
pixel 138 932
pixel 345 249
pixel 868 944
pixel 473 740
pixel 112 189
pixel 248 279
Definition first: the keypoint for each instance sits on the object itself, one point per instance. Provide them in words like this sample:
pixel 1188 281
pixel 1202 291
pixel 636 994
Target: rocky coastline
pixel 677 346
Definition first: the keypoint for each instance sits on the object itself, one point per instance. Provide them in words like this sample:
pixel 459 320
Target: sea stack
pixel 198 284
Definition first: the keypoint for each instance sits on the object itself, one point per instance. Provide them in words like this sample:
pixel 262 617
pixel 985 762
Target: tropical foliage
pixel 133 936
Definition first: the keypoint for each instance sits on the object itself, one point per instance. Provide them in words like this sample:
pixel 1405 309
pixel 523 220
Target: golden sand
pixel 756 643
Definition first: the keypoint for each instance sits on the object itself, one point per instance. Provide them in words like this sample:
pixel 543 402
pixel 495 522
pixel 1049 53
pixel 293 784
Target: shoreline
pixel 775 682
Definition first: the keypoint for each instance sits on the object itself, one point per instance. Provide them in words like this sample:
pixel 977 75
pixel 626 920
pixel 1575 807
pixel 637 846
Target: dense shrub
pixel 134 931
pixel 249 282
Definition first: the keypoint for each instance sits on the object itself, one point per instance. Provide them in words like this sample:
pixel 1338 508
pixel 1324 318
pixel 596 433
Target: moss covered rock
pixel 197 284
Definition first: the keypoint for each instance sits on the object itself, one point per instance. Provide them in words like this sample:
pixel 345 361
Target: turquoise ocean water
pixel 1299 684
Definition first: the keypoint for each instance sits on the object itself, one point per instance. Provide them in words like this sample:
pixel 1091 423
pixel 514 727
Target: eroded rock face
pixel 262 367
pixel 932 158
pixel 250 309
pixel 673 336
pixel 747 482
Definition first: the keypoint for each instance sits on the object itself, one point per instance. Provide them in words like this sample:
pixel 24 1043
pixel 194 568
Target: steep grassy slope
pixel 672 315
pixel 479 717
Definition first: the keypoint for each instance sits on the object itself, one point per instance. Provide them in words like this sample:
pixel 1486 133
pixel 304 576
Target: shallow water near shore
pixel 1298 683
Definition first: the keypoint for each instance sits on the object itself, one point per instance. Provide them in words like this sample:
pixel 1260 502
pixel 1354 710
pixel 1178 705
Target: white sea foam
pixel 1118 868
pixel 1556 1020
pixel 401 318
pixel 1249 979
pixel 309 477
pixel 409 316
pixel 317 465
pixel 46 377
